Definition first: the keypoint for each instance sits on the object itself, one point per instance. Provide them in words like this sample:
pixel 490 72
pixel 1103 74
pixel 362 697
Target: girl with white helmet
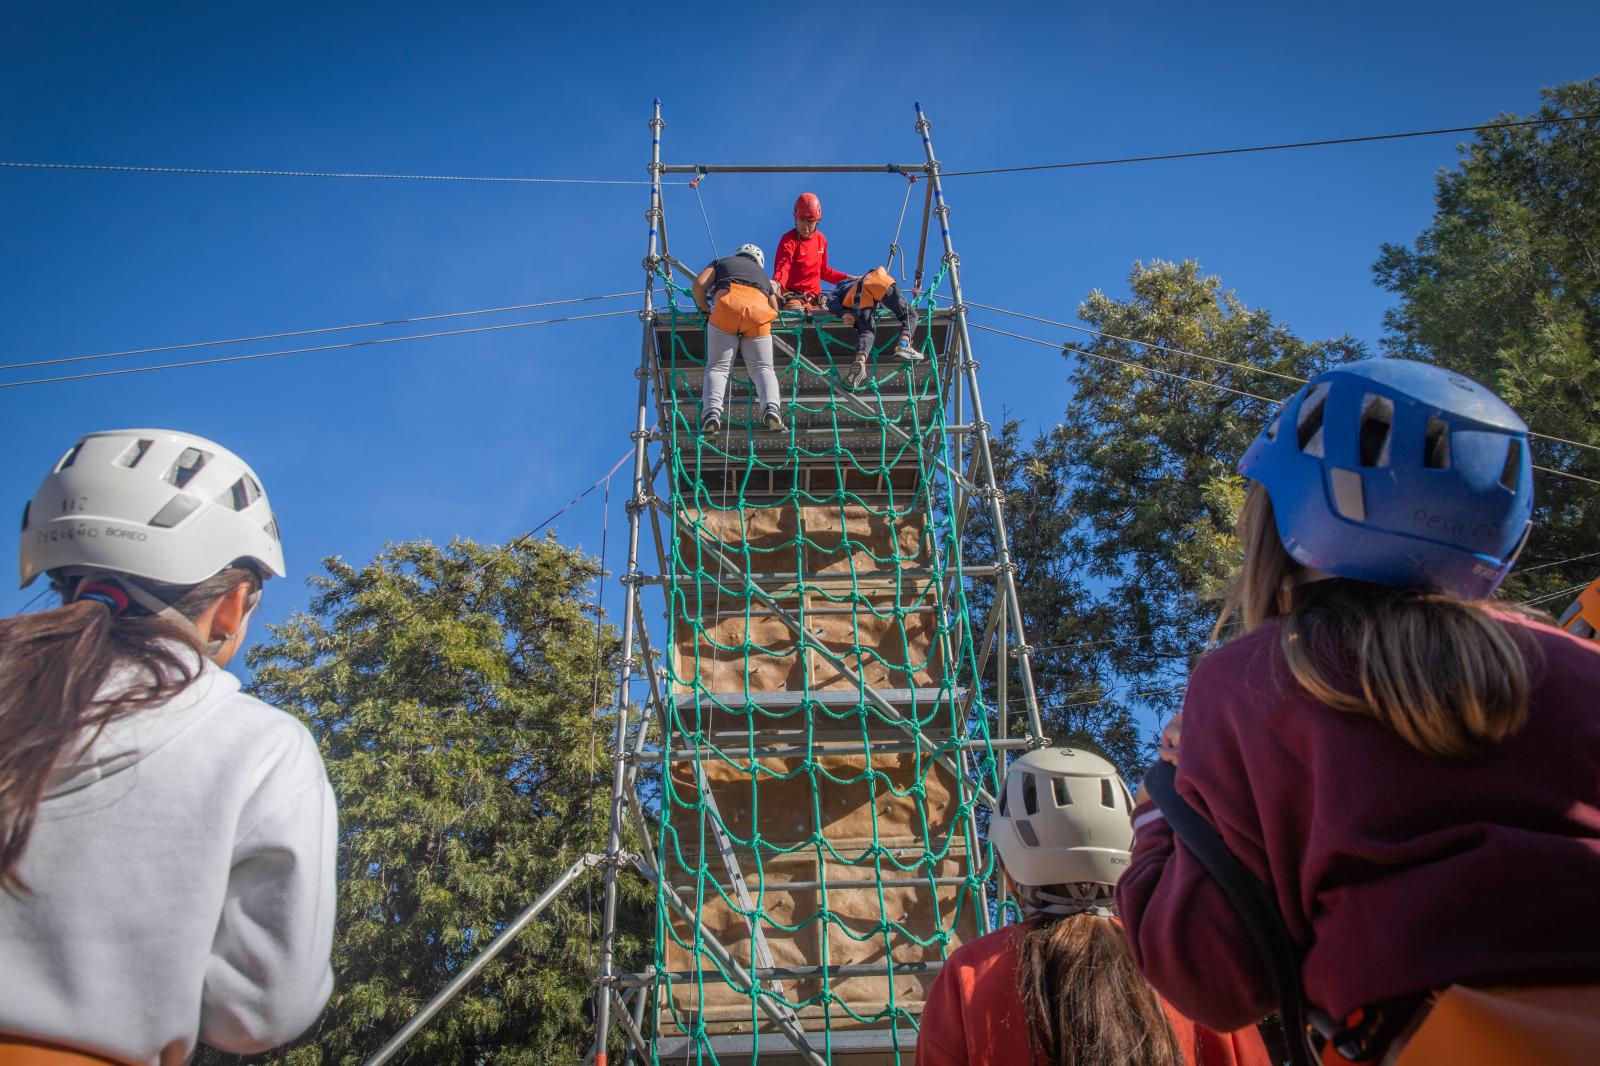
pixel 741 302
pixel 166 842
pixel 1061 988
pixel 1411 770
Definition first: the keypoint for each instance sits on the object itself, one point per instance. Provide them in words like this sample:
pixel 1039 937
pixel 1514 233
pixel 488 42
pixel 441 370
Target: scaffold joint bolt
pixel 655 168
pixel 650 262
pixel 951 258
pixel 639 434
pixel 960 309
pixel 971 364
pixel 942 211
pixel 647 316
pixel 1025 649
pixel 981 426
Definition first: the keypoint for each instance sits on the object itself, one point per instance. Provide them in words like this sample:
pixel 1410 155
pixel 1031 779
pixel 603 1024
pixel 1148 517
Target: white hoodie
pixel 182 877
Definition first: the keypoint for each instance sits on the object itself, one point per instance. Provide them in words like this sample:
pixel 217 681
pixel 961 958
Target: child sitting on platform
pixel 856 300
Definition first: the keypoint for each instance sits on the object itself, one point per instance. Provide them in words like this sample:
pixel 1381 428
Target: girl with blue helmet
pixel 1410 769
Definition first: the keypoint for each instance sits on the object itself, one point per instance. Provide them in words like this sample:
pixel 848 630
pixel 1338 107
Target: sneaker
pixel 773 420
pixel 711 424
pixel 856 376
pixel 907 354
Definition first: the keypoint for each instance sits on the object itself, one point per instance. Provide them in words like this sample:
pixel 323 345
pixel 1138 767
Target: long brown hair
pixel 1085 1000
pixel 52 666
pixel 1446 675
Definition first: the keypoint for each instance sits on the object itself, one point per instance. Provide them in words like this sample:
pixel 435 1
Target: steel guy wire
pixel 707 220
pixel 1579 587
pixel 479 570
pixel 1123 362
pixel 1215 359
pixel 1273 147
pixel 58 360
pixel 1134 340
pixel 302 351
pixel 262 173
pixel 1241 392
pixel 1558 562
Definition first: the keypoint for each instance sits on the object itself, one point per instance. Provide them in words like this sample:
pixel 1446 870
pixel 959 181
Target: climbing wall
pixel 824 756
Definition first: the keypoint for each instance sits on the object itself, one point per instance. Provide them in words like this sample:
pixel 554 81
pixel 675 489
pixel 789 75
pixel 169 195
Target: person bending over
pixel 856 301
pixel 741 304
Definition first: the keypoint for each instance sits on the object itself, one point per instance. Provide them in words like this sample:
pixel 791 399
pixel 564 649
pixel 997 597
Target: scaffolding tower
pixel 804 781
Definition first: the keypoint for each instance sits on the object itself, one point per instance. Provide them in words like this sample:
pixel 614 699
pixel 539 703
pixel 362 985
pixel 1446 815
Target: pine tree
pixel 459 698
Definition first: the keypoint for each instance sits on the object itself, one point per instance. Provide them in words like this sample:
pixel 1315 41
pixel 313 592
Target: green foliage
pixel 1504 285
pixel 458 694
pixel 1122 515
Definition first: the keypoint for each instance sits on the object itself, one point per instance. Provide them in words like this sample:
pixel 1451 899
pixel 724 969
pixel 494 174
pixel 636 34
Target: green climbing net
pixel 860 624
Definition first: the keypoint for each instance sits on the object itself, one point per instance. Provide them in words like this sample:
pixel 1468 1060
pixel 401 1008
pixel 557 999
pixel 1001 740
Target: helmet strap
pixel 95 584
pixel 1063 900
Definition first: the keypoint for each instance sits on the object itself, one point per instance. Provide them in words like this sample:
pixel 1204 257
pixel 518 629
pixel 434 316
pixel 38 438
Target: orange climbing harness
pixel 743 310
pixel 868 290
pixel 1507 1027
pixel 20 1051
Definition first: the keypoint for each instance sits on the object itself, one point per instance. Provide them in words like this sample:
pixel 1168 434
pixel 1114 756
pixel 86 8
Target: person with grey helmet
pixel 740 303
pixel 1061 987
pixel 167 843
pixel 1406 767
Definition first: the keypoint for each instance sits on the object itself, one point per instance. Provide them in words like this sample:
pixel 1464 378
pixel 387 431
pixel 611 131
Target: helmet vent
pixel 1272 428
pixel 70 458
pixel 1512 471
pixel 1308 428
pixel 1108 795
pixel 1436 446
pixel 25 509
pixel 133 453
pixel 1348 498
pixel 241 494
pixel 1005 794
pixel 1058 787
pixel 1025 831
pixel 177 509
pixel 189 463
pixel 1377 424
pixel 1030 794
pixel 272 528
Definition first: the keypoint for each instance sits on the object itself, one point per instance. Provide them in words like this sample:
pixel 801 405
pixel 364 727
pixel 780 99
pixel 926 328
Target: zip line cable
pixel 303 351
pixel 59 360
pixel 260 173
pixel 1273 147
pixel 514 179
pixel 1215 359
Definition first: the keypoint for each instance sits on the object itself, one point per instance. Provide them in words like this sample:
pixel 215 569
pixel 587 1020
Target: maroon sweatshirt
pixel 1397 872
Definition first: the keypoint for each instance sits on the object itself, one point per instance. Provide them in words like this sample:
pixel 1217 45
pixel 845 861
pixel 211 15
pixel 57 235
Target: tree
pixel 1121 517
pixel 1504 286
pixel 456 694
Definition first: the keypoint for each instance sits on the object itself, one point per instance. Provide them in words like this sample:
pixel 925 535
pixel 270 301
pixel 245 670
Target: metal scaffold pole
pixel 631 579
pixel 980 435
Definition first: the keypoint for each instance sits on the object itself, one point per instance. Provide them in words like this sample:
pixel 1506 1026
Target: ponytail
pixel 1085 1000
pixel 53 665
pixel 1445 675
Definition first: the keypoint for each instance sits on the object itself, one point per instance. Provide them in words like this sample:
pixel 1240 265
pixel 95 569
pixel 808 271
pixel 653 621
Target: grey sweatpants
pixel 757 352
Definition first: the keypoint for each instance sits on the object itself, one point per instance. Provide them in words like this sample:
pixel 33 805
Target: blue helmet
pixel 1398 473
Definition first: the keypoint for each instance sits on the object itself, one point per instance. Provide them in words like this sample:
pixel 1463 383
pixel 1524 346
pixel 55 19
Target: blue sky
pixel 485 435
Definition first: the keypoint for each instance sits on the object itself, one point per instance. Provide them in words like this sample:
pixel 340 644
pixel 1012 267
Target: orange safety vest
pixel 868 290
pixel 20 1051
pixel 1508 1027
pixel 744 310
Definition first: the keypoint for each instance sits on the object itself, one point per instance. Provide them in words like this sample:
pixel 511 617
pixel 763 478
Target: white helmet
pixel 1065 818
pixel 754 252
pixel 151 503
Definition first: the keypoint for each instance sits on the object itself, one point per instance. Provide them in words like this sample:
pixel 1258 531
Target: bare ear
pixel 232 609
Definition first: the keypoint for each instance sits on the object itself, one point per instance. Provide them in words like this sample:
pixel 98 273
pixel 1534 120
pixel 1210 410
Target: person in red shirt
pixel 1061 987
pixel 1410 769
pixel 801 264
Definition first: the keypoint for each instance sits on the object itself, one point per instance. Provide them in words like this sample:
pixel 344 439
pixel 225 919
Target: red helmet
pixel 808 208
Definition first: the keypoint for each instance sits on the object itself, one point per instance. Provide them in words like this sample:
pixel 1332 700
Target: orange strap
pixel 1509 1027
pixel 19 1051
pixel 744 310
pixel 870 289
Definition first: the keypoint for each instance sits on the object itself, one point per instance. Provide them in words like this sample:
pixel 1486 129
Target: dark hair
pixel 1085 1000
pixel 53 665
